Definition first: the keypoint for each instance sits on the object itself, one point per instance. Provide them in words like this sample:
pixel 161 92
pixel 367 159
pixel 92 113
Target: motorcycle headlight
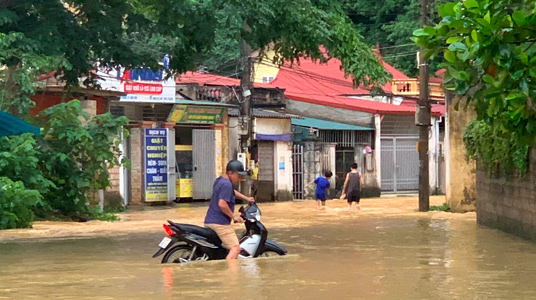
pixel 258 216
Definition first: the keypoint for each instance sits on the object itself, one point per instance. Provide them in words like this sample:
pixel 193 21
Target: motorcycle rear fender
pixel 174 239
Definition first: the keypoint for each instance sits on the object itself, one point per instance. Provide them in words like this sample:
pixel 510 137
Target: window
pixel 117 111
pixel 267 79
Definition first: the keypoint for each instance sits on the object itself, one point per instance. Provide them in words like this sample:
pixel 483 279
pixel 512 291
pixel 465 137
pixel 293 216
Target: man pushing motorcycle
pixel 221 208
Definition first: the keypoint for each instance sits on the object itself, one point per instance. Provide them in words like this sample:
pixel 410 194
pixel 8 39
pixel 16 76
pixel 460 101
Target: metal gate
pixel 204 161
pixel 399 164
pixel 297 171
pixel 265 189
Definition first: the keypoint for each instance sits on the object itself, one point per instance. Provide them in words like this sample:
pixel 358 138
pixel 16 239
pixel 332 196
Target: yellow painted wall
pixel 265 68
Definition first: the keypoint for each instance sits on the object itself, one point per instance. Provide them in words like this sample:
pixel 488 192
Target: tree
pixel 70 36
pixel 489 48
pixel 391 23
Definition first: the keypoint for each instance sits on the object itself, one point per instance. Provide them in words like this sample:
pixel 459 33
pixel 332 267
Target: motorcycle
pixel 186 242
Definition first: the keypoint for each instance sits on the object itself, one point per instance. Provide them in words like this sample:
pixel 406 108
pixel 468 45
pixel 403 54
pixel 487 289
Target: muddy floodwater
pixel 385 251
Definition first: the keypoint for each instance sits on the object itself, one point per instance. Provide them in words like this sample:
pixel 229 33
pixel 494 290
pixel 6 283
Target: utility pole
pixel 423 118
pixel 246 94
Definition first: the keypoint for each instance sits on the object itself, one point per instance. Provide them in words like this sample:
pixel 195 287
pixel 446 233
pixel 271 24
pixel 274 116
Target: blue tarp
pixel 286 137
pixel 11 125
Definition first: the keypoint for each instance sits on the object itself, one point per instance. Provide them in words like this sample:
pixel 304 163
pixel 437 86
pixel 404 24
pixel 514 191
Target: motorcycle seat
pixel 202 231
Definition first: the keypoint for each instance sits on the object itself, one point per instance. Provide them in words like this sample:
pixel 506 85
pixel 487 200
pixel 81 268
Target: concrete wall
pixel 508 204
pixel 461 174
pixel 272 126
pixel 283 169
pixel 234 143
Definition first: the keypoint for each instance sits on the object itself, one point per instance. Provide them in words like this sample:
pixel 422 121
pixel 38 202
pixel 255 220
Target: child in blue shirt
pixel 322 184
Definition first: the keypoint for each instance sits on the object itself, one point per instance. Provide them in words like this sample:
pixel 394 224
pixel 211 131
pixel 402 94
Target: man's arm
pixel 345 183
pixel 224 206
pixel 243 197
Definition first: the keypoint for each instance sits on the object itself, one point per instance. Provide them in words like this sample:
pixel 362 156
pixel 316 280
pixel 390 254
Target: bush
pixel 64 167
pixel 79 151
pixel 16 204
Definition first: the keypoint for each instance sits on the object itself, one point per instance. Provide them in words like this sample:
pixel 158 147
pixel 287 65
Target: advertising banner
pixel 156 179
pixel 196 114
pixel 139 84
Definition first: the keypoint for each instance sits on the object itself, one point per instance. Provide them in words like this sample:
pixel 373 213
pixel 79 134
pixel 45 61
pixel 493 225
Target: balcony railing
pixel 410 87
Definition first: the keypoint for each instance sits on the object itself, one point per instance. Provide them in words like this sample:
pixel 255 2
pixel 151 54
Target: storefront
pixel 201 148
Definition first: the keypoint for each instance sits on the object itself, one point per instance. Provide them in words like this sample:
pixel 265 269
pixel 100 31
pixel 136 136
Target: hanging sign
pixel 196 114
pixel 156 179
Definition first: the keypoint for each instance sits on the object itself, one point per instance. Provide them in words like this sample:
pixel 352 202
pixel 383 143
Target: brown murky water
pixel 385 251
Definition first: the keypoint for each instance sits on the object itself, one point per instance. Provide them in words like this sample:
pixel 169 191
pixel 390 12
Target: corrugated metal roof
pixel 326 125
pixel 259 113
pixel 11 125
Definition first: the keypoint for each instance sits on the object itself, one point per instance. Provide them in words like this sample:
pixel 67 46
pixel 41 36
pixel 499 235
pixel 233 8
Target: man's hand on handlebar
pixel 238 219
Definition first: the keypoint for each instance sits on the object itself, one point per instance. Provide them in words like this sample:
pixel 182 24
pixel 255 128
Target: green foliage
pixel 78 153
pixel 489 48
pixel 496 150
pixel 391 23
pixel 443 207
pixel 16 204
pixel 95 213
pixel 19 161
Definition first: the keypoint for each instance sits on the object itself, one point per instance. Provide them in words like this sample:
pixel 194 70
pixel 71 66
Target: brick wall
pixel 137 179
pixel 508 204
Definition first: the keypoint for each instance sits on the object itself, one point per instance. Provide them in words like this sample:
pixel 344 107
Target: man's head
pixel 354 166
pixel 328 174
pixel 235 171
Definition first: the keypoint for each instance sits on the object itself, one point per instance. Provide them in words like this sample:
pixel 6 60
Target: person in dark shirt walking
pixel 221 208
pixel 352 187
pixel 322 184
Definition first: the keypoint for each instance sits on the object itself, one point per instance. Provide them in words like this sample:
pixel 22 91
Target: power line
pixel 402 54
pixel 398 46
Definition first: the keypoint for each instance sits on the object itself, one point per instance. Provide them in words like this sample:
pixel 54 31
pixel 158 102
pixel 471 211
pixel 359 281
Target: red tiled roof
pixel 312 87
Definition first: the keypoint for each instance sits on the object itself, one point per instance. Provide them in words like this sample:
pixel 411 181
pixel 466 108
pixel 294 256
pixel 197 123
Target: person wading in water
pixel 352 187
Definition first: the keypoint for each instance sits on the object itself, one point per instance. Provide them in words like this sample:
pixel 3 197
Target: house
pixel 321 91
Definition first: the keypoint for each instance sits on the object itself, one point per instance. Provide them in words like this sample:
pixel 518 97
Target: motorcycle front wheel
pixel 270 251
pixel 179 254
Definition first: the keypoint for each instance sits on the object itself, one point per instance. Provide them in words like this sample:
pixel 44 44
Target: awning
pixel 285 137
pixel 11 125
pixel 326 125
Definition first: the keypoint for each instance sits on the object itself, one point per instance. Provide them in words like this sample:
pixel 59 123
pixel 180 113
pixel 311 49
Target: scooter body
pixel 186 242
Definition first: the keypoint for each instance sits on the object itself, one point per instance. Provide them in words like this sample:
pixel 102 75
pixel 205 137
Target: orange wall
pixel 44 101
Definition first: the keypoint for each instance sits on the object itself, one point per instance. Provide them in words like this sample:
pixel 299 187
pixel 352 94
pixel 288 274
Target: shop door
pixel 204 162
pixel 400 164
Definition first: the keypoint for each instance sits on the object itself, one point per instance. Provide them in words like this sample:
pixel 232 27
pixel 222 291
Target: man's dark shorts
pixel 321 197
pixel 354 198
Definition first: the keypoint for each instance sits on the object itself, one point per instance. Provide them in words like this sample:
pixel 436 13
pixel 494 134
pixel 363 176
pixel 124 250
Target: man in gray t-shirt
pixel 221 208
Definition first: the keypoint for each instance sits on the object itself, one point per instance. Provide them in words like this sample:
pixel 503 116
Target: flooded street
pixel 385 251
